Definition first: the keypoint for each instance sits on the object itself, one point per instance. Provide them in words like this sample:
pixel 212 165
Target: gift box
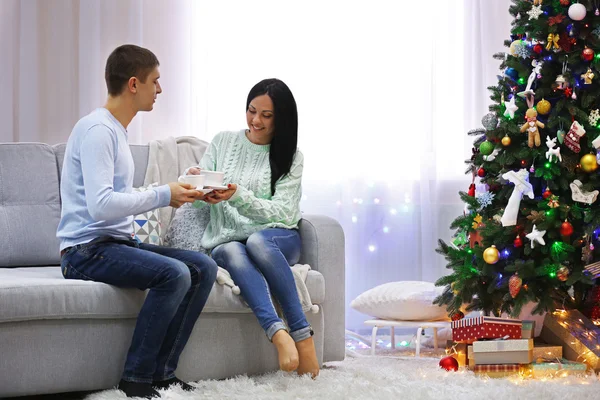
pixel 496 371
pixel 527 329
pixel 577 335
pixel 547 351
pixel 553 369
pixel 470 329
pixel 496 352
pixel 458 351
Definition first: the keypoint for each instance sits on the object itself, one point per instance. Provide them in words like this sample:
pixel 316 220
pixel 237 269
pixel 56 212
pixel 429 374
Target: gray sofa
pixel 60 335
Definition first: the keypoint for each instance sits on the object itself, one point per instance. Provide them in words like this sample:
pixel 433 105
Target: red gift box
pixel 467 330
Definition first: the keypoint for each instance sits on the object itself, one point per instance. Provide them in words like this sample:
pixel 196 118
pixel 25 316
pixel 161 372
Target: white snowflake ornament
pixel 485 199
pixel 535 12
pixel 594 117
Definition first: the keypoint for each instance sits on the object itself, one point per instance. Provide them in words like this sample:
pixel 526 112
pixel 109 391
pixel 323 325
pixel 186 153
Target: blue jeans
pixel 261 265
pixel 179 282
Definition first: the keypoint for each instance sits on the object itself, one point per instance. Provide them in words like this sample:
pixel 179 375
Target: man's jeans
pixel 179 282
pixel 262 265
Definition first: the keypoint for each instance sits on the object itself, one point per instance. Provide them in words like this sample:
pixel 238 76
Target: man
pixel 95 229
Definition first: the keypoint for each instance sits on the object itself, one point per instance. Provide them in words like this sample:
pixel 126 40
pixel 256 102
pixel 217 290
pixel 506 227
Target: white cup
pixel 197 181
pixel 213 178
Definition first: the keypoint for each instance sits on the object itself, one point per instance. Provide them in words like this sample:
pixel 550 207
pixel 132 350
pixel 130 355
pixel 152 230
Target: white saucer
pixel 216 187
pixel 204 190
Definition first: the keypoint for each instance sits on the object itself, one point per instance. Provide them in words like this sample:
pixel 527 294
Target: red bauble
pixel 481 172
pixel 449 363
pixel 587 54
pixel 565 2
pixel 518 242
pixel 547 194
pixel 458 315
pixel 523 163
pixel 472 190
pixel 566 229
pixel 538 48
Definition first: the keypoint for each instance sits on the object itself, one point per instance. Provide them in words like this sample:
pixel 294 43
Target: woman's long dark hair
pixel 285 138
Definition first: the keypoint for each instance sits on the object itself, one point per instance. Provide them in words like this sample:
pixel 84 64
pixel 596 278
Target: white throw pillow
pixel 405 301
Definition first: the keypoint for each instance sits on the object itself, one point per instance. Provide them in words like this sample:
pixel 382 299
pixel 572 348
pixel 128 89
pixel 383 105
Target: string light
pixel 372 248
pixel 393 211
pixel 354 218
pixel 376 200
pixel 386 229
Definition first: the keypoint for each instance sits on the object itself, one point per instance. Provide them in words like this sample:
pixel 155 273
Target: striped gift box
pixel 470 329
pixel 496 368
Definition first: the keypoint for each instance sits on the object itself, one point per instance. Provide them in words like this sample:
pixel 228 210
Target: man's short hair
pixel 127 61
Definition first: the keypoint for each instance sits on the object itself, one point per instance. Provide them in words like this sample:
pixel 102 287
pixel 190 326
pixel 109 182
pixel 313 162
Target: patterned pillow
pixel 147 227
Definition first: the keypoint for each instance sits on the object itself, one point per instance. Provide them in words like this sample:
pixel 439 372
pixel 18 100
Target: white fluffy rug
pixel 382 377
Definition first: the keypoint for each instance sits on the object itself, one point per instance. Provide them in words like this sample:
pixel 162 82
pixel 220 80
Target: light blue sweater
pixel 97 180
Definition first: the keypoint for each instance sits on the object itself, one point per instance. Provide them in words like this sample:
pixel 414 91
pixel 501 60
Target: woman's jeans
pixel 261 267
pixel 179 282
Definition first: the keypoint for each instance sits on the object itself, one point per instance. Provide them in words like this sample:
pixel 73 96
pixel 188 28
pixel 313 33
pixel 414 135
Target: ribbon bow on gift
pixel 553 39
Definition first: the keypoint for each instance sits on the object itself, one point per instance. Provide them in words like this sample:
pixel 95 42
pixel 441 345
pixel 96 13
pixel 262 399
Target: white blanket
pixel 300 272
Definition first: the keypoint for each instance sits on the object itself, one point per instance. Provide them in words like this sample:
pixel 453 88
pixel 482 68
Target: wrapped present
pixel 495 352
pixel 553 368
pixel 457 351
pixel 470 357
pixel 527 329
pixel 577 335
pixel 468 330
pixel 496 371
pixel 547 351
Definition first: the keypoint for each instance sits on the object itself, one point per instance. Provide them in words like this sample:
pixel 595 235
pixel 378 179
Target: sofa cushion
pixel 139 152
pixel 29 205
pixel 42 293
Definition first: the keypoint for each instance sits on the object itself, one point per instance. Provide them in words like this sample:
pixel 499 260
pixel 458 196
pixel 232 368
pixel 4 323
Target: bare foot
pixel 286 349
pixel 308 358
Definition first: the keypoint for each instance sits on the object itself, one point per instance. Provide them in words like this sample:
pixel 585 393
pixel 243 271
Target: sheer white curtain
pixel 386 91
pixel 53 57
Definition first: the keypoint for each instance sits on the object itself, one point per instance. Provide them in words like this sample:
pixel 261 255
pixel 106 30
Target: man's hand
pixel 217 196
pixel 193 171
pixel 182 193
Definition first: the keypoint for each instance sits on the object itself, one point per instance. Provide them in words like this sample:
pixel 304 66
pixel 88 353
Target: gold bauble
pixel 588 163
pixel 506 140
pixel 491 255
pixel 563 273
pixel 543 107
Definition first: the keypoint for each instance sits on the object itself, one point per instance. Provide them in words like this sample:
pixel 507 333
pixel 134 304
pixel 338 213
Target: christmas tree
pixel 530 229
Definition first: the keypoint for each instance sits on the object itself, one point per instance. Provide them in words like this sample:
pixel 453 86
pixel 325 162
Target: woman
pixel 253 223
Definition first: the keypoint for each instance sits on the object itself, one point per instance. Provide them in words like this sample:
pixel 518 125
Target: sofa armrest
pixel 323 249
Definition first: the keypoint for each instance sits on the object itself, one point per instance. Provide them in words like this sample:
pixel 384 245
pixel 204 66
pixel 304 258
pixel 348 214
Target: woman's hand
pixel 193 171
pixel 217 196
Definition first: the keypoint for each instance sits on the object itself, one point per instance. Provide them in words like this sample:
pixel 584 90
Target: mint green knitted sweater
pixel 251 208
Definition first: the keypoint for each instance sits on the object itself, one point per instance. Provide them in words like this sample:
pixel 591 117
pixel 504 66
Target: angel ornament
pixel 529 94
pixel 588 76
pixel 522 187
